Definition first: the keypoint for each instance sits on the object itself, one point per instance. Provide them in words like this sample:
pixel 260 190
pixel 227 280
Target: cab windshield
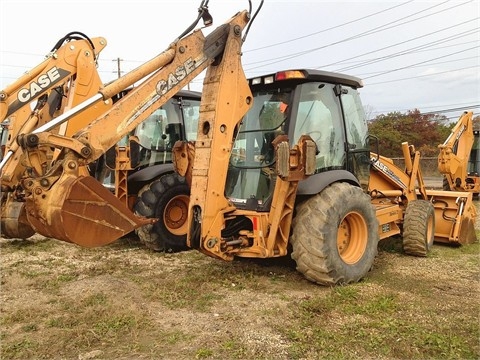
pixel 331 114
pixel 250 171
pixel 264 121
pixel 176 120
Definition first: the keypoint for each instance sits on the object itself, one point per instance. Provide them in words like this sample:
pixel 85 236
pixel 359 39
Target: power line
pixel 421 62
pixel 410 50
pixel 438 108
pixel 359 63
pixel 474 106
pixel 429 64
pixel 365 33
pixel 328 29
pixel 421 76
pixel 382 27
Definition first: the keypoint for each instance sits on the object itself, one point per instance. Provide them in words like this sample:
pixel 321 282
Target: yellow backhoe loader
pixel 459 157
pixel 279 161
pixel 316 187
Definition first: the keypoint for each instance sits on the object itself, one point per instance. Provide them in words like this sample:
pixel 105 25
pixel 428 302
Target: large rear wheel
pixel 418 228
pixel 335 235
pixel 167 199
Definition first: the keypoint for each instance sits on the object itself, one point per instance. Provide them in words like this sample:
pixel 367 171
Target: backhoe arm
pixel 455 151
pixel 167 74
pixel 226 98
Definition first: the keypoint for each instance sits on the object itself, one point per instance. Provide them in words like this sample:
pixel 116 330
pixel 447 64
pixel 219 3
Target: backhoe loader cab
pixel 325 106
pixel 145 175
pixel 175 120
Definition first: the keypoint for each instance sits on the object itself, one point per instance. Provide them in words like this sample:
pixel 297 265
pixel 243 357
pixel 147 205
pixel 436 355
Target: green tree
pixel 424 131
pixel 476 122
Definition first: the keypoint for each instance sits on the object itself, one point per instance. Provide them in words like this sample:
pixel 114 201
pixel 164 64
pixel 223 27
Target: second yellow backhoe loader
pixel 459 157
pixel 71 71
pixel 63 200
pixel 140 173
pixel 281 161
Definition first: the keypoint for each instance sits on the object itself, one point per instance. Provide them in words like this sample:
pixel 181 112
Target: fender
pixel 314 184
pixel 139 178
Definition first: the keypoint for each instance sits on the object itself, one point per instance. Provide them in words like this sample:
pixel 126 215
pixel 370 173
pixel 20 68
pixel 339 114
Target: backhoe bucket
pixel 80 210
pixel 13 222
pixel 455 216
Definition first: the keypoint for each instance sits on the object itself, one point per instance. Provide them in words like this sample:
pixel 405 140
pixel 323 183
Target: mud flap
pixel 80 210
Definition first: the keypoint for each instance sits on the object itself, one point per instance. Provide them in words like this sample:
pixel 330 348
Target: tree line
pixel 424 131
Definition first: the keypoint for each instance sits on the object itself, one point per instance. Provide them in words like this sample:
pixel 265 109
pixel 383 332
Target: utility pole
pixel 119 73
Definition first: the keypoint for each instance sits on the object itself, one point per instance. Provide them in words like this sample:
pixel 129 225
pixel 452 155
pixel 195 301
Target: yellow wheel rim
pixel 176 214
pixel 352 237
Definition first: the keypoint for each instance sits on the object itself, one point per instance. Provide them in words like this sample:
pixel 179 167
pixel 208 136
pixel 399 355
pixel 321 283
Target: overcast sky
pixel 410 54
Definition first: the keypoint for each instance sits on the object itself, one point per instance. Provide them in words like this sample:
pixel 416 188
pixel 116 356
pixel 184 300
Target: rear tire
pixel 418 228
pixel 335 235
pixel 167 199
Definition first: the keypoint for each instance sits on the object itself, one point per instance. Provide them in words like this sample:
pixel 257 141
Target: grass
pixel 121 301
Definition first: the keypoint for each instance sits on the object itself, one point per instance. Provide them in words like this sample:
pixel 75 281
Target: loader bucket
pixel 80 210
pixel 454 216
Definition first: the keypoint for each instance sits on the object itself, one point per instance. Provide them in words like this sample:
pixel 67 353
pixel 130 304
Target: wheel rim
pixel 352 237
pixel 176 214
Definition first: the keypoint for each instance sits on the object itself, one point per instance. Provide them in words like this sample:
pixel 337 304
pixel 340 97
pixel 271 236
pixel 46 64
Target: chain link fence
pixel 428 165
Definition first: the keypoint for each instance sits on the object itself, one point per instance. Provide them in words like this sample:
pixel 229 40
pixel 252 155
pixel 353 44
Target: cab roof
pixel 307 75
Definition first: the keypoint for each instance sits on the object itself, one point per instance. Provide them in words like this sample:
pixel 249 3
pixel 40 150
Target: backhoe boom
pixel 454 155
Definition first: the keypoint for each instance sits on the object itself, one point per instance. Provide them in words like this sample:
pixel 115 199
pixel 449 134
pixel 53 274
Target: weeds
pixel 122 302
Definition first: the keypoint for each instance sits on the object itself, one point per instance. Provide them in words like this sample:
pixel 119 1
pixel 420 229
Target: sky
pixel 410 54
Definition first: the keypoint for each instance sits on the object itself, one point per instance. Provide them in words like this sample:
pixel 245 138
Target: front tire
pixel 418 228
pixel 335 235
pixel 167 199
